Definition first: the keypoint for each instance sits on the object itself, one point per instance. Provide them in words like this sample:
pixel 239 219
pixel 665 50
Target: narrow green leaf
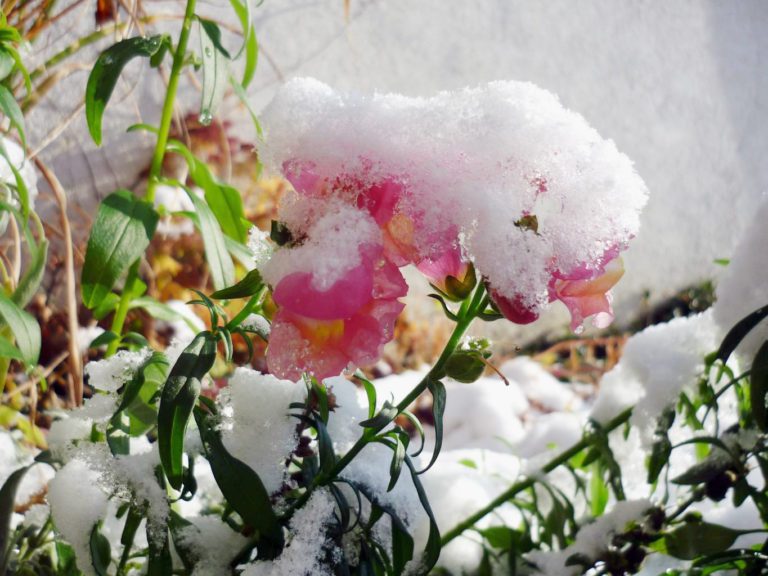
pixel 33 276
pixel 694 539
pixel 437 389
pixel 398 455
pixel 105 73
pixel 219 261
pixel 432 550
pixel 25 330
pixel 120 235
pixel 11 109
pixel 8 350
pixel 739 332
pixel 215 60
pixel 370 392
pixel 101 551
pixel 248 286
pixel 387 413
pixel 758 387
pixel 152 372
pixel 21 186
pixel 402 548
pixel 162 311
pixel 251 57
pixel 7 499
pixel 177 401
pixel 242 489
pixel 6 63
pixel 325 447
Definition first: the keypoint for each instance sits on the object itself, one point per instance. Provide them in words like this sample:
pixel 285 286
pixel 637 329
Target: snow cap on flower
pixel 533 192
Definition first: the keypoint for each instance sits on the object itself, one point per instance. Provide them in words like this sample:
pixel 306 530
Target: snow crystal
pixel 307 543
pixel 351 408
pixel 743 289
pixel 656 366
pixel 542 389
pixel 213 543
pixel 258 324
pixel 500 407
pixel 37 515
pixel 593 538
pixel 174 199
pixel 334 233
pixel 514 141
pixel 260 245
pixel 137 473
pixel 111 373
pixel 64 433
pixel 77 504
pixel 257 427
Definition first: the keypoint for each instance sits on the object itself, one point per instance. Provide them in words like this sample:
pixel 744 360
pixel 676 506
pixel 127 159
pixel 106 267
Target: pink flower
pixel 324 332
pixel 584 292
pixel 590 297
pixel 449 273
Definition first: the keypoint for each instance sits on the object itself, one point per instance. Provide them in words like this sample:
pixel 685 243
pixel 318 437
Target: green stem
pixel 122 308
pixel 170 98
pixel 528 482
pixel 157 162
pixel 250 306
pixel 467 313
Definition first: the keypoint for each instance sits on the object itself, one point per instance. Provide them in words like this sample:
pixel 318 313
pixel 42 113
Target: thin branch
pixel 75 362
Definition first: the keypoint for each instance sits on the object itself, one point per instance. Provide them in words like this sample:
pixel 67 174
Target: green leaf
pixel 370 392
pixel 219 261
pixel 398 455
pixel 694 539
pixel 25 330
pixel 758 387
pixel 101 551
pixel 215 59
pixel 387 413
pixel 224 201
pixel 402 548
pixel 325 447
pixel 242 488
pixel 6 63
pixel 432 550
pixel 177 401
pixel 21 187
pixel 248 286
pixel 251 58
pixel 105 73
pixel 33 276
pixel 162 311
pixel 437 389
pixel 120 235
pixel 152 372
pixel 7 499
pixel 8 350
pixel 500 537
pixel 11 109
pixel 739 332
pixel 465 366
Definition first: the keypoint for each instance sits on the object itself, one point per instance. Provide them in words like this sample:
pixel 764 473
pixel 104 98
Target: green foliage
pixel 122 231
pixel 105 73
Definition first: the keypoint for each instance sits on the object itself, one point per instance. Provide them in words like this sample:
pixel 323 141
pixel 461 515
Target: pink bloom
pixel 324 332
pixel 590 297
pixel 449 273
pixel 514 308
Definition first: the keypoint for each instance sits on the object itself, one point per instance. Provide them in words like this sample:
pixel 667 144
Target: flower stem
pixel 170 98
pixel 468 311
pixel 528 482
pixel 157 163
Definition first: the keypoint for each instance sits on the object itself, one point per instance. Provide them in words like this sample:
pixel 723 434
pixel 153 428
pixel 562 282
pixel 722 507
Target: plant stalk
pixel 528 482
pixel 157 162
